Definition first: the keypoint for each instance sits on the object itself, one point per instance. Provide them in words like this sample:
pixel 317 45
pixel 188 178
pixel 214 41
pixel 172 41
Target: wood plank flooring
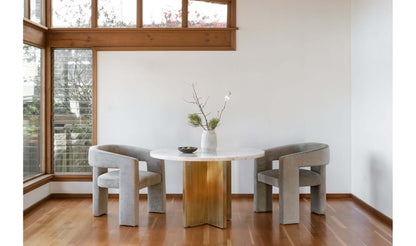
pixel 70 222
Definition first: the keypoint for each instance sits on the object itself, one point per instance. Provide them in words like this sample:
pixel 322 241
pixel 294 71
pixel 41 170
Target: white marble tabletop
pixel 220 155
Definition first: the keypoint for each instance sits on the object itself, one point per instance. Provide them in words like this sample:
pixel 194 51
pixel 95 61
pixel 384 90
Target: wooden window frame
pixel 32 38
pixel 140 38
pixel 27 12
pixel 113 39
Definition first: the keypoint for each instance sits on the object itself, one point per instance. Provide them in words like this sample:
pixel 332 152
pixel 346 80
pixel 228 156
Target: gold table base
pixel 206 193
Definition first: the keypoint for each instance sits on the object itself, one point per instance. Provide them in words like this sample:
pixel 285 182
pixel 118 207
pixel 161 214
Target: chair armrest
pixel 270 155
pixel 142 154
pixel 100 158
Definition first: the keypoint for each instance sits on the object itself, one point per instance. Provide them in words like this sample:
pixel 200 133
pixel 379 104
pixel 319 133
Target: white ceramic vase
pixel 209 141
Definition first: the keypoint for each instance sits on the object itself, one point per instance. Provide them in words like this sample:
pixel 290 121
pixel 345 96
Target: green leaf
pixel 194 120
pixel 213 123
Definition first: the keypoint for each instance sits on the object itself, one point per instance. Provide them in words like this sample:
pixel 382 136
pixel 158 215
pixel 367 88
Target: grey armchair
pixel 128 179
pixel 289 177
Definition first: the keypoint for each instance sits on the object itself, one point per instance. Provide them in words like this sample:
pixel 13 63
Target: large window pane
pixel 72 110
pixel 36 10
pixel 32 111
pixel 162 13
pixel 71 13
pixel 206 14
pixel 117 13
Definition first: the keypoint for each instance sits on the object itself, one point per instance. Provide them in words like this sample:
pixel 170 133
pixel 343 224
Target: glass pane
pixel 71 13
pixel 72 110
pixel 162 13
pixel 206 14
pixel 32 111
pixel 117 13
pixel 36 10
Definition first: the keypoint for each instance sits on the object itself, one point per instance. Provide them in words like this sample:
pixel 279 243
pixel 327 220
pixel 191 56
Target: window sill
pixel 72 177
pixel 36 182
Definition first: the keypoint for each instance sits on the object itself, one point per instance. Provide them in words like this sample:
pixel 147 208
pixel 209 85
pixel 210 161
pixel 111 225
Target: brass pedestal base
pixel 206 193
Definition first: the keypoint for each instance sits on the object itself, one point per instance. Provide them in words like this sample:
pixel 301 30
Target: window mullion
pixel 94 13
pixel 184 13
pixel 48 110
pixel 27 9
pixel 139 14
pixel 43 16
pixel 48 13
pixel 43 110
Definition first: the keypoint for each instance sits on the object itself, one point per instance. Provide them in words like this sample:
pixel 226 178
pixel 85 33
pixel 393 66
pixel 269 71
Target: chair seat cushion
pixel 111 179
pixel 306 177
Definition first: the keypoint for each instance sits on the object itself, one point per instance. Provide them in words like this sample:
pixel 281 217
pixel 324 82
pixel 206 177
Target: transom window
pixel 207 14
pixel 139 13
pixel 70 13
pixel 163 13
pixel 117 13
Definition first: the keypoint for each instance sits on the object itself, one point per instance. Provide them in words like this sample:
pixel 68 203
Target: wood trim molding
pixel 144 38
pixel 34 33
pixel 37 204
pixel 36 183
pixel 34 177
pixel 387 220
pixel 71 178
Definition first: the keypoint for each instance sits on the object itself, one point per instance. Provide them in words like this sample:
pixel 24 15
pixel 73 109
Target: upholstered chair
pixel 128 179
pixel 289 177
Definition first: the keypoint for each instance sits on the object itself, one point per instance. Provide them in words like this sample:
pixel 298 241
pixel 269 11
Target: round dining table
pixel 207 183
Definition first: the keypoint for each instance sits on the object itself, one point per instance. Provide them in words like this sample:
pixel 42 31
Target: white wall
pixel 290 79
pixel 35 195
pixel 371 86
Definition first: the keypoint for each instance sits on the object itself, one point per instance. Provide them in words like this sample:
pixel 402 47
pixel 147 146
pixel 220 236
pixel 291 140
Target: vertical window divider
pixel 43 108
pixel 231 19
pixel 139 14
pixel 48 13
pixel 43 17
pixel 184 13
pixel 94 96
pixel 27 12
pixel 94 13
pixel 48 110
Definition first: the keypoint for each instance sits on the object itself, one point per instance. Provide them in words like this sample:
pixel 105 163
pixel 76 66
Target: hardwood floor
pixel 70 222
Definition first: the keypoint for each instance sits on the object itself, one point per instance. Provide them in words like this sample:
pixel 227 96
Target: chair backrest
pixel 132 151
pixel 307 154
pixel 108 157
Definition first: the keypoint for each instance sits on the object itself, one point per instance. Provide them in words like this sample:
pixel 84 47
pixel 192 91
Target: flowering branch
pixel 195 120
